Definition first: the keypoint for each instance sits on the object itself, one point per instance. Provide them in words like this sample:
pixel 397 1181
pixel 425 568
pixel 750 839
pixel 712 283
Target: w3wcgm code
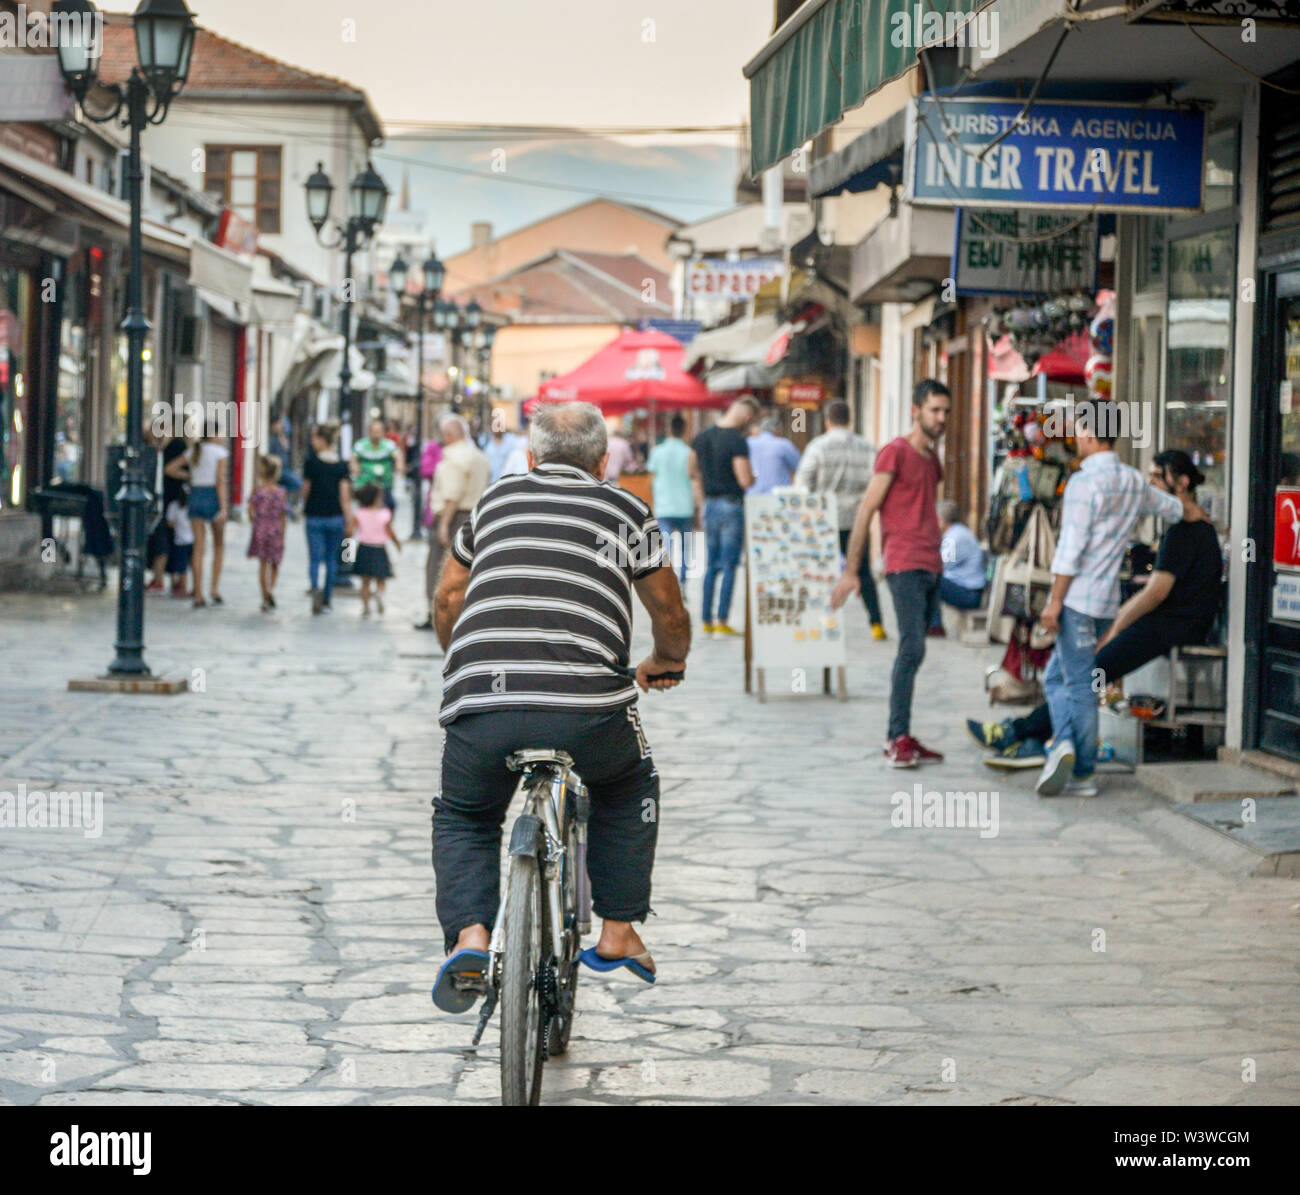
pixel 1186 1137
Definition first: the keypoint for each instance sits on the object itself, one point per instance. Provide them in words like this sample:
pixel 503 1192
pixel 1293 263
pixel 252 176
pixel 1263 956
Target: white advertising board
pixel 793 562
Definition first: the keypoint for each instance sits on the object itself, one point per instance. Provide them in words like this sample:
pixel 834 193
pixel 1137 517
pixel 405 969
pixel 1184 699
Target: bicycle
pixel 532 969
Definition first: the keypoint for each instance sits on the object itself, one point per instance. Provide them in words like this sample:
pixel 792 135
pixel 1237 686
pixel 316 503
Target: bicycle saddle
pixel 522 759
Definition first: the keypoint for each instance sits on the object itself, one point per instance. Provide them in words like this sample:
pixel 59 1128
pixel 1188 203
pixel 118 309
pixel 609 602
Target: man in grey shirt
pixel 840 462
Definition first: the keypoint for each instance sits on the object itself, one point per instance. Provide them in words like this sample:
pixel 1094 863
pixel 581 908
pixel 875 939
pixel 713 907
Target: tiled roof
pixel 573 287
pixel 223 66
pixel 627 268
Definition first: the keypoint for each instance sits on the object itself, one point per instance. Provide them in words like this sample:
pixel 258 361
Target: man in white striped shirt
pixel 534 608
pixel 1103 502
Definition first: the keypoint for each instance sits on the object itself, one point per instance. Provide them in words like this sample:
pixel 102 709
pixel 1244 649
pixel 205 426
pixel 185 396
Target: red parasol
pixel 637 369
pixel 1065 363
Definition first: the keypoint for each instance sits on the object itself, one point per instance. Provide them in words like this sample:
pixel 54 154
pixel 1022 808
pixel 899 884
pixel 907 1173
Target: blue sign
pixel 1102 157
pixel 684 330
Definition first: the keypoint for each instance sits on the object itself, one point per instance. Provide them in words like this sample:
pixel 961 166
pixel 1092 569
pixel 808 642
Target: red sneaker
pixel 901 752
pixel 923 753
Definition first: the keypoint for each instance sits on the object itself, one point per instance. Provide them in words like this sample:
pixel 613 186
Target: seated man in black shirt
pixel 1175 608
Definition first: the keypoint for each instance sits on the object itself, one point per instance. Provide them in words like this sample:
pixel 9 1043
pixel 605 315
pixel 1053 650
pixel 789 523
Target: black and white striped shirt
pixel 552 556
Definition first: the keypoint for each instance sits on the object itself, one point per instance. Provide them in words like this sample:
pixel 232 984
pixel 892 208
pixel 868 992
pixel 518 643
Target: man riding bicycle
pixel 534 611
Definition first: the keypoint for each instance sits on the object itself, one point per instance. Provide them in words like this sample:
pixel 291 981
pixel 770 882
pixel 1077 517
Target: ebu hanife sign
pixel 1102 157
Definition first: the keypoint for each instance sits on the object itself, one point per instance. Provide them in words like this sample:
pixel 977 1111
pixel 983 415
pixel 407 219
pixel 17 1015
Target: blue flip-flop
pixel 590 958
pixel 461 981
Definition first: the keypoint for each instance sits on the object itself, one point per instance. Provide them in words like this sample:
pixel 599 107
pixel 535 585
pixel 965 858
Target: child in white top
pixel 182 549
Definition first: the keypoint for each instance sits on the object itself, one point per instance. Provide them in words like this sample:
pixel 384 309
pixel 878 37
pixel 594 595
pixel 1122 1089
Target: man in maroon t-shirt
pixel 903 489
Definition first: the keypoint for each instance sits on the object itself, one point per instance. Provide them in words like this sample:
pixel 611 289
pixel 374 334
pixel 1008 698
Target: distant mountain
pixel 454 182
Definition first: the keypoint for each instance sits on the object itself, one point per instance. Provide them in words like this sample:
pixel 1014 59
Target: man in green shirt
pixel 674 502
pixel 376 459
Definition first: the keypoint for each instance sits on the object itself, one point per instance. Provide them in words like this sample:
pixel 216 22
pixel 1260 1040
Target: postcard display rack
pixel 792 561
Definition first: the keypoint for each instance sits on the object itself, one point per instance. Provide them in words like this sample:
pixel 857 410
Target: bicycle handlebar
pixel 630 673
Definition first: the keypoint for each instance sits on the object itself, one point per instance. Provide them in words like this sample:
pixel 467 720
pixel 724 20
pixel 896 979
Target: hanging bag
pixel 1027 577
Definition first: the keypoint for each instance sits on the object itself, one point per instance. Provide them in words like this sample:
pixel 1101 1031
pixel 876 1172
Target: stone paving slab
pixel 254 923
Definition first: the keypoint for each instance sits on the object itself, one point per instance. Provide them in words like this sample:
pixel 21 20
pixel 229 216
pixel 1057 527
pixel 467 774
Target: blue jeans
pixel 724 534
pixel 324 542
pixel 683 526
pixel 958 597
pixel 1068 686
pixel 916 602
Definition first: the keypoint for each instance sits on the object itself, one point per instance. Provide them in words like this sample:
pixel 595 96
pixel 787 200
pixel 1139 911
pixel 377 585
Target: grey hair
pixel 948 511
pixel 771 424
pixel 568 433
pixel 451 419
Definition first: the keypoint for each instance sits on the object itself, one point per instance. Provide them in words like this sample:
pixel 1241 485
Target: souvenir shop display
pixel 1035 329
pixel 1030 472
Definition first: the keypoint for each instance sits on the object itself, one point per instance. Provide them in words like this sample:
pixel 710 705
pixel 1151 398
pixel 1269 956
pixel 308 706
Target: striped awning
pixel 827 58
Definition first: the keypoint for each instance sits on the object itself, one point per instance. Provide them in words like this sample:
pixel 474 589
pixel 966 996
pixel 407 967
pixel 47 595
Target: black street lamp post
pixel 446 318
pixel 471 318
pixel 434 273
pixel 164 35
pixel 485 340
pixel 367 203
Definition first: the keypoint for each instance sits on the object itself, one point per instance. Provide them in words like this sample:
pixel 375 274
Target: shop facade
pixel 1271 615
pixel 1197 258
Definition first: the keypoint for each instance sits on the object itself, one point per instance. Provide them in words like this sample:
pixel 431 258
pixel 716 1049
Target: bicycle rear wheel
pixel 566 985
pixel 522 1036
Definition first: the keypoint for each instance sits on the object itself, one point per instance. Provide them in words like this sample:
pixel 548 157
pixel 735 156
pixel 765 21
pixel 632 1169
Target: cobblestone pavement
pixel 255 924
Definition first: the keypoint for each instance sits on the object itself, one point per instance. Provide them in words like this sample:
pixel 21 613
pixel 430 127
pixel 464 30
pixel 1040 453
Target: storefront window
pixel 15 418
pixel 118 376
pixel 1289 398
pixel 1221 169
pixel 1199 375
pixel 1150 252
pixel 70 416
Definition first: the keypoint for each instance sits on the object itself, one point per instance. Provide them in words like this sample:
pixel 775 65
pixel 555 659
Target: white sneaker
pixel 1085 787
pixel 1056 771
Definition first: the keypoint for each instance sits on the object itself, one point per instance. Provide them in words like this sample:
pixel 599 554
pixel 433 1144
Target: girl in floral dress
pixel 267 509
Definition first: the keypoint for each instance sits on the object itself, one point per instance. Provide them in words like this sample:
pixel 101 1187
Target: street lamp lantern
pixel 434 274
pixel 444 316
pixel 489 335
pixel 397 273
pixel 320 193
pixel 164 39
pixel 473 315
pixel 369 197
pixel 79 47
pixel 367 202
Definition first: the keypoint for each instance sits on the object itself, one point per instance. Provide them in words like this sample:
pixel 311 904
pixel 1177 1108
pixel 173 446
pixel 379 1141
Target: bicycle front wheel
pixel 522 1038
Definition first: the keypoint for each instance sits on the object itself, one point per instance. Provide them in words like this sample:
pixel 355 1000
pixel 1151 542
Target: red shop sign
pixel 1286 528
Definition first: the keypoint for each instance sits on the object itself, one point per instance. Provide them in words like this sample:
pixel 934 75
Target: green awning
pixel 828 58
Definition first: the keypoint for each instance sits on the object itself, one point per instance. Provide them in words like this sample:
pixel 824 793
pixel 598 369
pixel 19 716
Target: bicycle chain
pixel 549 994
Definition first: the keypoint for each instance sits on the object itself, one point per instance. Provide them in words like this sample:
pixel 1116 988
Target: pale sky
pixel 572 62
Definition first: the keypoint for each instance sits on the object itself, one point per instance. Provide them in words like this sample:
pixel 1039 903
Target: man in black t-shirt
pixel 1177 607
pixel 720 475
